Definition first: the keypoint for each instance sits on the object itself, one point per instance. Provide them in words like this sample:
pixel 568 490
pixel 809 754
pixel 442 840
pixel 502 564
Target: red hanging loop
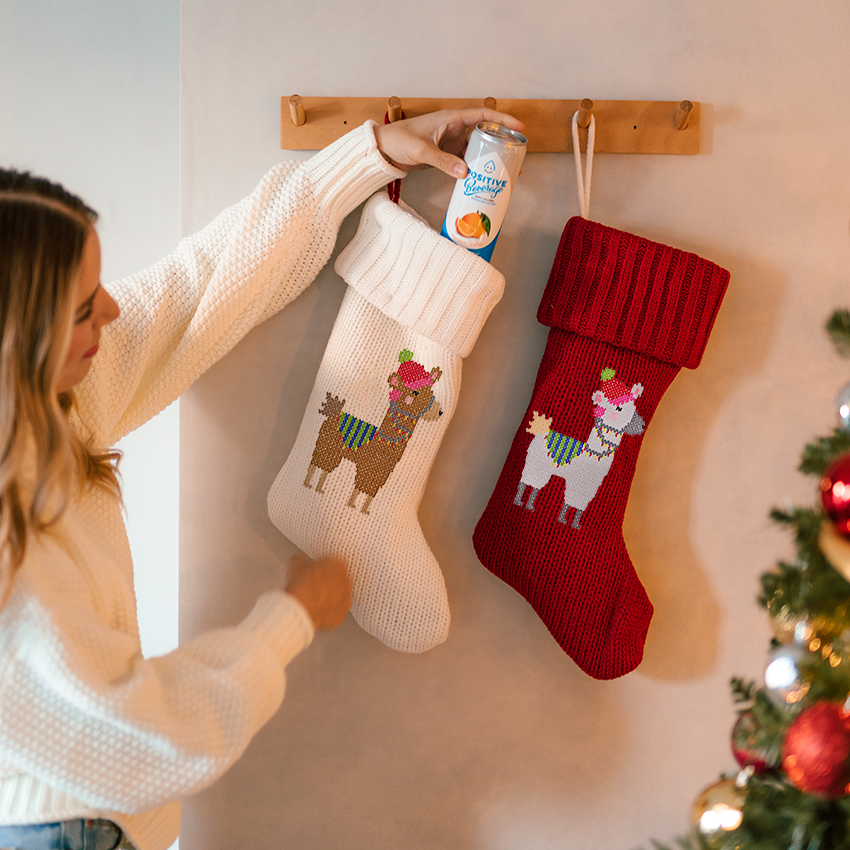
pixel 394 188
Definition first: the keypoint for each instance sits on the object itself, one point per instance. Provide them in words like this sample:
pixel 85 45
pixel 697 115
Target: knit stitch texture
pixel 385 392
pixel 625 314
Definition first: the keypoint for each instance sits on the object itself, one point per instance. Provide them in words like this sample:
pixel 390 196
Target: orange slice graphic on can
pixel 473 225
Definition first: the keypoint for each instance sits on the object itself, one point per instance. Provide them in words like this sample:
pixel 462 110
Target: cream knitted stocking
pixel 384 394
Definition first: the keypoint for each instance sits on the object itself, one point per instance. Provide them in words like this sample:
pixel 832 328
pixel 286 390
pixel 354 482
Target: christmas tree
pixel 792 735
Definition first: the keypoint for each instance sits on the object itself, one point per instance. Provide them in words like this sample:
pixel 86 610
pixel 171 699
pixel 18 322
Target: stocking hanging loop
pixel 583 180
pixel 394 188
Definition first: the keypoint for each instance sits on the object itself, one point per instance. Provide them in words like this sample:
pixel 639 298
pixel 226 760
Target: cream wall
pixel 495 740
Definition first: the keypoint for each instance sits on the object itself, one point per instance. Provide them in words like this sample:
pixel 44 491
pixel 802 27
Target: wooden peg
pixel 683 114
pixel 585 108
pixel 296 110
pixel 394 109
pixel 489 102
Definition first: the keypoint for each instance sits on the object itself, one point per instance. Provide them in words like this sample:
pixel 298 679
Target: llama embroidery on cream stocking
pixel 375 451
pixel 582 465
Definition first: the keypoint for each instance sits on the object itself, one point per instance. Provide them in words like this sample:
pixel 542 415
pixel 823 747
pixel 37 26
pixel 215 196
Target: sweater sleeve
pixel 184 313
pixel 84 713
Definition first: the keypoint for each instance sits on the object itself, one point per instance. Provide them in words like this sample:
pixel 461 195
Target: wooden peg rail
pixel 622 126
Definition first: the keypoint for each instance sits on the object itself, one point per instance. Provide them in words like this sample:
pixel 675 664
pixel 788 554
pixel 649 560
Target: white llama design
pixel 582 465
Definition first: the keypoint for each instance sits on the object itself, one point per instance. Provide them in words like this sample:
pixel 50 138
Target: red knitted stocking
pixel 625 314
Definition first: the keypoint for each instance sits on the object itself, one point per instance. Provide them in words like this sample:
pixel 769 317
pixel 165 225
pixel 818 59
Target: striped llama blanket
pixel 354 432
pixel 562 449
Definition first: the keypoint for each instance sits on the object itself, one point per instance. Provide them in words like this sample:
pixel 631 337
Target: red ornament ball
pixel 744 748
pixel 816 750
pixel 835 494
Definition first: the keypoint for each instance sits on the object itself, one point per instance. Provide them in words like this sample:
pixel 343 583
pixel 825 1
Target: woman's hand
pixel 322 587
pixel 438 138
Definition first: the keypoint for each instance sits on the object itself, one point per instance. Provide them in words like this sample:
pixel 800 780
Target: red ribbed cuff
pixel 633 293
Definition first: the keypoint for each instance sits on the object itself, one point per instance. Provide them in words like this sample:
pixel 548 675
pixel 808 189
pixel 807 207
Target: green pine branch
pixel 811 587
pixel 691 841
pixel 820 453
pixel 743 690
pixel 838 328
pixel 778 816
pixel 827 670
pixel 771 721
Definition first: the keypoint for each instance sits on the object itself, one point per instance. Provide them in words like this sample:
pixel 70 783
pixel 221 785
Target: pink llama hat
pixel 615 390
pixel 412 373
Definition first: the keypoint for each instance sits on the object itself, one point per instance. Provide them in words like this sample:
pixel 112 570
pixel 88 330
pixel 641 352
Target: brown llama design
pixel 375 451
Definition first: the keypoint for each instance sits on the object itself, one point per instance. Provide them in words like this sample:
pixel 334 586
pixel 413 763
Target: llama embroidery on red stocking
pixel 375 451
pixel 582 465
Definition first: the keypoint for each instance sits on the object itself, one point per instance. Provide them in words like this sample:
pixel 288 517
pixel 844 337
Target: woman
pixel 98 744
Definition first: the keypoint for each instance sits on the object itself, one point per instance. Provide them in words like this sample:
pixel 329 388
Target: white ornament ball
pixel 782 678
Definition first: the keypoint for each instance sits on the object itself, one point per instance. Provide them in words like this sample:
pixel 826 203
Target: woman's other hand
pixel 437 138
pixel 322 587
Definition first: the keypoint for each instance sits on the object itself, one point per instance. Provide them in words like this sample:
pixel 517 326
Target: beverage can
pixel 479 202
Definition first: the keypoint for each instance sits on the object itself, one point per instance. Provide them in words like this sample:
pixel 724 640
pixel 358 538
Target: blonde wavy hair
pixel 43 229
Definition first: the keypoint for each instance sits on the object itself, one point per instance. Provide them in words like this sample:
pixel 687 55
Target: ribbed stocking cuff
pixel 407 270
pixel 633 293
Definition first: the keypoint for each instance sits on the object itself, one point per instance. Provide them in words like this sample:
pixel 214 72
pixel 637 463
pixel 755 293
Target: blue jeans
pixel 80 834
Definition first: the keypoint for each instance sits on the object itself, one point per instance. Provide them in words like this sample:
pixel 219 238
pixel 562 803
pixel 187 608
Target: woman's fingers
pixel 437 139
pixel 322 587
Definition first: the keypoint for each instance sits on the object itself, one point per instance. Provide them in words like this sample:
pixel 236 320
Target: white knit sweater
pixel 88 727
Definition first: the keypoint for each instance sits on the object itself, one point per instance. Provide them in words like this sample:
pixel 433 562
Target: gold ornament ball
pixel 836 549
pixel 718 808
pixel 790 626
